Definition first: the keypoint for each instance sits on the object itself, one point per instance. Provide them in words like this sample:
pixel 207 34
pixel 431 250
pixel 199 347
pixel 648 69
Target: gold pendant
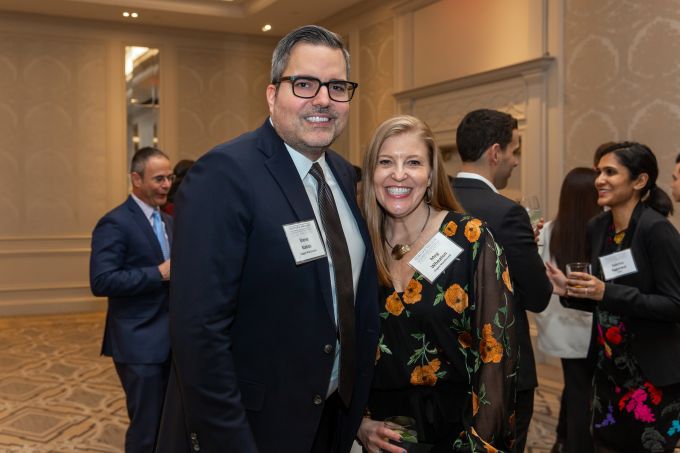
pixel 400 250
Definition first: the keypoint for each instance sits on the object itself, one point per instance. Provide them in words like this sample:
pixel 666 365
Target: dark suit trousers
pixel 523 412
pixel 573 428
pixel 144 386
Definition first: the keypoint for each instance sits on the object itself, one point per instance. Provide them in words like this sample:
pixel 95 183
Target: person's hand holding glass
pixel 579 281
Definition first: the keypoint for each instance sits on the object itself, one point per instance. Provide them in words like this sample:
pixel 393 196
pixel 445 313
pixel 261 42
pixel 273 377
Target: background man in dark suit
pixel 129 265
pixel 273 306
pixel 488 142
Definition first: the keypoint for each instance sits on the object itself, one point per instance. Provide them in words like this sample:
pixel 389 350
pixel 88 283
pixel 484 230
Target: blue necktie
pixel 159 229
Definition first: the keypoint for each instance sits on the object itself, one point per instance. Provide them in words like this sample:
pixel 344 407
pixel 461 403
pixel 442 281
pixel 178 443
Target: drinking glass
pixel 404 426
pixel 533 208
pixel 578 267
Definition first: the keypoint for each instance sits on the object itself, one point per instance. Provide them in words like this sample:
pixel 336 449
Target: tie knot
pixel 317 172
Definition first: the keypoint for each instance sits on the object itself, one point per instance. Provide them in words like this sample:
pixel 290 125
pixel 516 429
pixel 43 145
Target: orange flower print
pixel 426 374
pixel 465 339
pixel 475 403
pixel 472 230
pixel 456 298
pixel 412 292
pixel 393 304
pixel 490 349
pixel 506 279
pixel 450 229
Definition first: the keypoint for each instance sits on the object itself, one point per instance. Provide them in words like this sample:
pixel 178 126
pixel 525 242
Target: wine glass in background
pixel 533 208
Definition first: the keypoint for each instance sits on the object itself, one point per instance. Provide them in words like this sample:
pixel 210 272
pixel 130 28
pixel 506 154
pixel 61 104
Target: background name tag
pixel 618 264
pixel 435 257
pixel 305 241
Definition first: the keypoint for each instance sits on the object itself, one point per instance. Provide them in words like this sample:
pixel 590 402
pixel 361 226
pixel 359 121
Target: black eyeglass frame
pixel 292 80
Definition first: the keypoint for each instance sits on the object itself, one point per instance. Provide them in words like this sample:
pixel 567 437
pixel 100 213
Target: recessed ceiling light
pixel 267 27
pixel 126 14
pixel 135 15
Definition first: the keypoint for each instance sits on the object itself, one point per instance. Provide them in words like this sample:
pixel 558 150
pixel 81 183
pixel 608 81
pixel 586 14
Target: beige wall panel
pixel 456 38
pixel 376 77
pixel 622 76
pixel 220 95
pixel 52 141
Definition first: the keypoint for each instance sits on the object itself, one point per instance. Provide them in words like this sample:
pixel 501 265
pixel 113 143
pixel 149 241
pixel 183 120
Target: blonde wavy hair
pixel 441 196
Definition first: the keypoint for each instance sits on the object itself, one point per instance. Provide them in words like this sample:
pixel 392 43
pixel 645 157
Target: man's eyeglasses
pixel 308 87
pixel 160 178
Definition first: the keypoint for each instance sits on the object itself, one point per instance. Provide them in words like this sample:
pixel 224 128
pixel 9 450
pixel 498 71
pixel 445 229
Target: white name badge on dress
pixel 305 241
pixel 435 257
pixel 618 264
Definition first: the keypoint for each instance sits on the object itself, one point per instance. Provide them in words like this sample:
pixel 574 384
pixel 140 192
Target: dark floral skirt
pixel 643 418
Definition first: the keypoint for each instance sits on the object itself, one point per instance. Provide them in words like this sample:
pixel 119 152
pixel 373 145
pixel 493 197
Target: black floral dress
pixel 630 414
pixel 447 355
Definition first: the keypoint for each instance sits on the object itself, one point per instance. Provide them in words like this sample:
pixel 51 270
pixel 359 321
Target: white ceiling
pixel 237 16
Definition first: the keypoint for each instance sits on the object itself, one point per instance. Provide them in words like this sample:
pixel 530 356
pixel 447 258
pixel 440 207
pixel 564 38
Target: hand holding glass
pixel 578 267
pixel 401 424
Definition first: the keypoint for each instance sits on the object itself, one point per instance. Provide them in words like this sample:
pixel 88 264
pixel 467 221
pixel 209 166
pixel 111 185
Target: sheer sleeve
pixel 493 355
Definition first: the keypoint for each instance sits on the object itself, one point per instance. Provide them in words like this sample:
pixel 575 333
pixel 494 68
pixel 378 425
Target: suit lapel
pixel 144 225
pixel 281 167
pixel 599 233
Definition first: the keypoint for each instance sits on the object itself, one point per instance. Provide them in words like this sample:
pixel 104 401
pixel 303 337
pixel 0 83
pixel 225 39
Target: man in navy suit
pixel 130 265
pixel 268 356
pixel 488 143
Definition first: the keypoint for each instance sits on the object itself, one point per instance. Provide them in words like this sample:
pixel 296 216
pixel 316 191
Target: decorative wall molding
pixel 519 89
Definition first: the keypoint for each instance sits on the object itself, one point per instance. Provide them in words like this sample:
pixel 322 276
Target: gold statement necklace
pixel 399 250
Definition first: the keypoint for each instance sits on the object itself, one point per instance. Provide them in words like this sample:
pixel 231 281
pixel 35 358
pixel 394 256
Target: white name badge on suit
pixel 618 264
pixel 304 240
pixel 435 257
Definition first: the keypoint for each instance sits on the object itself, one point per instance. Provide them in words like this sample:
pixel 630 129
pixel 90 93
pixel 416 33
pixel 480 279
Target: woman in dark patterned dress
pixel 447 354
pixel 636 402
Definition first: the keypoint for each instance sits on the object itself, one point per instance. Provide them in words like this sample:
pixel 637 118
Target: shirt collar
pixel 146 209
pixel 303 164
pixel 465 174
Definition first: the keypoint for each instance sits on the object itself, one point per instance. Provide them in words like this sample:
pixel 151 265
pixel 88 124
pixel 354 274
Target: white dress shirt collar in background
pixel 468 175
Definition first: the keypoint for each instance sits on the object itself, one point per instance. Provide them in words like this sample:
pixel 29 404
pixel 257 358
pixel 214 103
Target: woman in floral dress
pixel 447 354
pixel 636 288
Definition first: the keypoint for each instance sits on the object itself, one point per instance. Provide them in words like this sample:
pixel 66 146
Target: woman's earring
pixel 428 195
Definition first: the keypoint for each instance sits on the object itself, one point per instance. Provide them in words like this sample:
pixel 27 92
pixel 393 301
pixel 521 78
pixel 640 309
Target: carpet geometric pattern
pixel 57 394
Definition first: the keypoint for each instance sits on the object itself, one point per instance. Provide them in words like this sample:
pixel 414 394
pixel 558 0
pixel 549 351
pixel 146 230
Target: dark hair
pixel 310 34
pixel 598 151
pixel 138 162
pixel 481 129
pixel 578 204
pixel 677 159
pixel 638 159
pixel 181 169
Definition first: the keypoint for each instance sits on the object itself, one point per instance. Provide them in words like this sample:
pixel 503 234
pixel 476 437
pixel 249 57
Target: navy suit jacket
pixel 512 230
pixel 649 299
pixel 124 267
pixel 253 334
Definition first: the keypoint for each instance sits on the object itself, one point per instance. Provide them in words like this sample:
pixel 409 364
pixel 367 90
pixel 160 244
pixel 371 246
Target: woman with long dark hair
pixel 635 290
pixel 565 332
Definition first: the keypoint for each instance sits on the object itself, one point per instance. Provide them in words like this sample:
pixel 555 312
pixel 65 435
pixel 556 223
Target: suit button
pixel 194 442
pixel 328 349
pixel 318 400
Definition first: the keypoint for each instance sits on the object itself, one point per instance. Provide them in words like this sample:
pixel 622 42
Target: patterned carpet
pixel 58 395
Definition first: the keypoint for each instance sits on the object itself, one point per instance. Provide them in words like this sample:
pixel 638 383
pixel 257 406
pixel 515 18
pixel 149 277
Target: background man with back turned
pixel 130 265
pixel 488 142
pixel 273 306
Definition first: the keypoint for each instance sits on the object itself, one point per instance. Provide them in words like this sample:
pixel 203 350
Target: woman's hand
pixel 374 436
pixel 584 286
pixel 557 278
